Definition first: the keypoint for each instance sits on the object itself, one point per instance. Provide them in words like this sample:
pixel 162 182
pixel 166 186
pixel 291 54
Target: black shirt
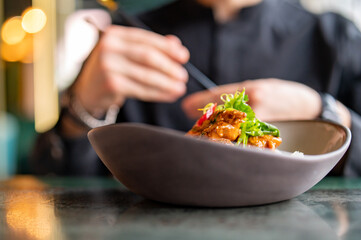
pixel 274 39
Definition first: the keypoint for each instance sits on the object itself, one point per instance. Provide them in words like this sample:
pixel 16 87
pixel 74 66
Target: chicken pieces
pixel 225 126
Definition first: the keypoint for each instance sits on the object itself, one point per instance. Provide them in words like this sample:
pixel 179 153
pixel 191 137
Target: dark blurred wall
pixel 15 7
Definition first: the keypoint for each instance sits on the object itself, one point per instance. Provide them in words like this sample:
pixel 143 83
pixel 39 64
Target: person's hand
pixel 271 99
pixel 132 63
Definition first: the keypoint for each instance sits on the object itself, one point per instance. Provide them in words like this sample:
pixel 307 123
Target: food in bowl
pixel 234 123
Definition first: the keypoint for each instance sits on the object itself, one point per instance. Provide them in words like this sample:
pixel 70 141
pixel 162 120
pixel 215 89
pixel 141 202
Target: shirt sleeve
pixel 353 163
pixel 55 154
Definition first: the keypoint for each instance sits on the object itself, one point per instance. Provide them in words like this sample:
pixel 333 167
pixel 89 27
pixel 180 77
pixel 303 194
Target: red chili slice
pixel 207 115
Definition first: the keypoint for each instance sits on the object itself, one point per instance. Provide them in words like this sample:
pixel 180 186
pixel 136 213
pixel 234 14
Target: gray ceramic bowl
pixel 167 166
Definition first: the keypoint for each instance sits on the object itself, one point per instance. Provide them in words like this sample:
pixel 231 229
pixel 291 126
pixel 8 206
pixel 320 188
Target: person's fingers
pixel 145 54
pixel 129 88
pixel 168 46
pixel 174 38
pixel 157 60
pixel 145 76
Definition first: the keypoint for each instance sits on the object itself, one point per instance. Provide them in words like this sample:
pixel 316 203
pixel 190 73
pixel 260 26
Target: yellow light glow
pixel 34 20
pixel 12 53
pixel 110 4
pixel 12 31
pixel 46 105
pixel 22 51
pixel 30 214
pixel 28 45
pixel 2 79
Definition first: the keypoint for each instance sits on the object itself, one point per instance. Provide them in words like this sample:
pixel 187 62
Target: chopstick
pixel 199 76
pixel 192 70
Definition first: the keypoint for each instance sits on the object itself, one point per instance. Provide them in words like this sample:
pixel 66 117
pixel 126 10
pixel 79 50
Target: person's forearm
pixel 69 125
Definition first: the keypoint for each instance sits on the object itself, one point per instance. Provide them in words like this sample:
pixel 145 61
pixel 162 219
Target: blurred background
pixel 44 42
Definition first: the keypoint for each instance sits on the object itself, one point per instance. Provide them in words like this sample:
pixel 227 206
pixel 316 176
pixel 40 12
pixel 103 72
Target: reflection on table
pixel 102 208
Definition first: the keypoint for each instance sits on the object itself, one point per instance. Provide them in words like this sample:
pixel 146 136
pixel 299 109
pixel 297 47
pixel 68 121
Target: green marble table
pixel 101 208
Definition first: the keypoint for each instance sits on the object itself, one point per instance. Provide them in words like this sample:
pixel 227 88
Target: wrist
pixel 329 108
pixel 79 93
pixel 71 127
pixel 334 110
pixel 345 114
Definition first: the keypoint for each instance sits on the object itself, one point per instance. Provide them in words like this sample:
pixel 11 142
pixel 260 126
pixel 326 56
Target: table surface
pixel 102 208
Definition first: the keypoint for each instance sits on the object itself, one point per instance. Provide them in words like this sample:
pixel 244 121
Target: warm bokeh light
pixel 110 4
pixel 11 53
pixel 22 51
pixel 34 20
pixel 12 31
pixel 28 45
pixel 30 214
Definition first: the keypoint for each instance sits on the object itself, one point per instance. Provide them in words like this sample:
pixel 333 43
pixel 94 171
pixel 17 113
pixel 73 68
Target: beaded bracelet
pixel 87 119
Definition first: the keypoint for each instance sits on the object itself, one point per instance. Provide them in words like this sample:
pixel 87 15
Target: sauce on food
pixel 225 126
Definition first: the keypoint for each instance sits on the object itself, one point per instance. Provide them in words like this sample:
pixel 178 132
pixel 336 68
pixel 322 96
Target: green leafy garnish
pixel 252 126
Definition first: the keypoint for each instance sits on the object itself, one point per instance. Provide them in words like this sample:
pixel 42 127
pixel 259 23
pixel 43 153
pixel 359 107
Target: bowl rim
pixel 315 157
pixel 266 152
